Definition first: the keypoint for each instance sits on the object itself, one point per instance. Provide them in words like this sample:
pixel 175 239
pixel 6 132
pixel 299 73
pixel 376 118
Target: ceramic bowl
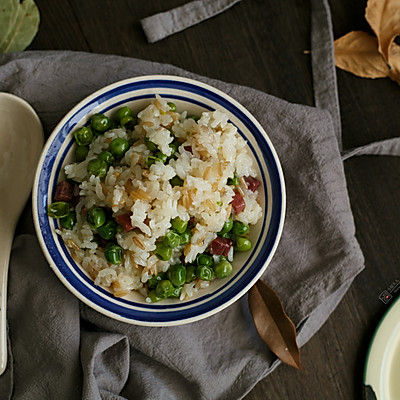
pixel 194 97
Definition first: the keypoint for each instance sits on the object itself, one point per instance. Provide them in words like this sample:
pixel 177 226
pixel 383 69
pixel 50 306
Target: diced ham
pixel 125 221
pixel 64 192
pixel 220 246
pixel 252 183
pixel 238 203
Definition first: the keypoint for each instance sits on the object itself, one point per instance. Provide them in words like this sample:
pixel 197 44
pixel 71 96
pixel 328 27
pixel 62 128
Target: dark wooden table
pixel 261 44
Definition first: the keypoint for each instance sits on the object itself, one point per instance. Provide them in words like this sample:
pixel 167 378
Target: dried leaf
pixel 8 15
pixel 357 52
pixel 19 23
pixel 384 18
pixel 394 61
pixel 273 325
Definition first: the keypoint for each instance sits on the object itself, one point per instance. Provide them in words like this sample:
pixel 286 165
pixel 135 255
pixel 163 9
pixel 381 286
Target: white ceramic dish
pixel 21 138
pixel 382 368
pixel 193 97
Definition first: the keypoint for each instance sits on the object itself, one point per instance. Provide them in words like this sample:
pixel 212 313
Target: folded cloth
pixel 386 147
pixel 60 348
pixel 326 94
pixel 161 25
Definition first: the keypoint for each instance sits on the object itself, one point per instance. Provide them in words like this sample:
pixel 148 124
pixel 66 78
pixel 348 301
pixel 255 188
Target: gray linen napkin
pixel 60 348
pixel 326 95
pixel 164 24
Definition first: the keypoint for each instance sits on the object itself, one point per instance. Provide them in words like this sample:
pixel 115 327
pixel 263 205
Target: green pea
pixel 107 157
pixel 69 220
pixel 174 146
pixel 154 279
pixel 205 259
pixel 194 117
pixel 240 229
pixel 222 269
pixel 185 236
pixel 96 217
pixel 83 136
pixel 113 253
pixel 178 225
pixel 161 157
pixel 176 181
pixel 123 112
pixel 150 145
pixel 204 273
pixel 108 230
pixel 81 152
pixel 128 121
pixel 172 106
pixel 100 122
pixel 118 147
pixel 227 226
pixel 233 181
pixel 58 209
pixel 171 239
pixel 177 274
pixel 164 289
pixel 97 167
pixel 163 252
pixel 190 273
pixel 176 292
pixel 227 235
pixel 242 244
pixel 153 296
pixel 150 160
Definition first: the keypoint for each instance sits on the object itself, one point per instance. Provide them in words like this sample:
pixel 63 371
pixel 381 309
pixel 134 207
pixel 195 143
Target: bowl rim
pixel 151 318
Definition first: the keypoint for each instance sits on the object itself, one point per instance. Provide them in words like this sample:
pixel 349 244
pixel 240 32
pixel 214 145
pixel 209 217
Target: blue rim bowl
pixel 194 97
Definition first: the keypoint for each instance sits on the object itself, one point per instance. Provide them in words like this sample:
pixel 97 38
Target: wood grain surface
pixel 263 44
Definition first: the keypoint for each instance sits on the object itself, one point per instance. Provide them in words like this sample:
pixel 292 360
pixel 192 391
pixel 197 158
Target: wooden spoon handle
pixel 6 239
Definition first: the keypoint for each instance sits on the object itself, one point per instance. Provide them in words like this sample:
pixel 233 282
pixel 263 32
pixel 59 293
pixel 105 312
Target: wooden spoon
pixel 21 142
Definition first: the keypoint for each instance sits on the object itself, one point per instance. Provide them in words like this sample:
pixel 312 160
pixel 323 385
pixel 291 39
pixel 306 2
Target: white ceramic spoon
pixel 21 142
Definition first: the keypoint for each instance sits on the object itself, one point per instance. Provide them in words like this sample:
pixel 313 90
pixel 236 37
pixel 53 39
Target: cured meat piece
pixel 220 246
pixel 64 192
pixel 252 183
pixel 238 203
pixel 125 221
